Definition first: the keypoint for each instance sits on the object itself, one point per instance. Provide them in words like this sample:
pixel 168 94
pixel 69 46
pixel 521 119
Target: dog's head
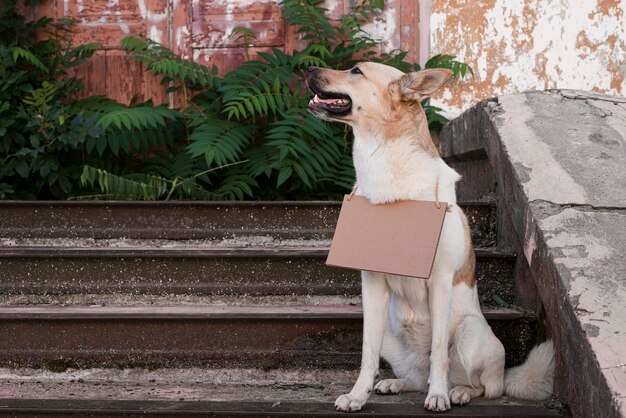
pixel 370 92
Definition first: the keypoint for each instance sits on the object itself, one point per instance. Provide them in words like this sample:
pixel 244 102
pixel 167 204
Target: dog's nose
pixel 310 70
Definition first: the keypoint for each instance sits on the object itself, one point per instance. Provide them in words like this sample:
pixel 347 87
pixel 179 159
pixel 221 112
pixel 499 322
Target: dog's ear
pixel 417 85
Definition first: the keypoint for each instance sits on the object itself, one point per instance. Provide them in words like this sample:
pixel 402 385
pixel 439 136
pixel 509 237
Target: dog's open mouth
pixel 335 103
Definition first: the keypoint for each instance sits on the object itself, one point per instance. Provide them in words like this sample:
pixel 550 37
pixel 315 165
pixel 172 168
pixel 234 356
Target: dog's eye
pixel 356 70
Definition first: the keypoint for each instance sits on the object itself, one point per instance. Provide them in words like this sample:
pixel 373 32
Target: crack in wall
pixel 585 208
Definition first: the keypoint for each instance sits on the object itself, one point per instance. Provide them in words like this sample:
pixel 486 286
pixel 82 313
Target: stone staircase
pixel 226 309
pixel 202 308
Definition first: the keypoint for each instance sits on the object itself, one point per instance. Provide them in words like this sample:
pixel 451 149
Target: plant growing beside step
pixel 41 128
pixel 244 135
pixel 47 135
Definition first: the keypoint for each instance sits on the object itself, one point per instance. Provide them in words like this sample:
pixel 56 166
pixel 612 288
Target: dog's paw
pixel 437 402
pixel 460 395
pixel 349 403
pixel 389 386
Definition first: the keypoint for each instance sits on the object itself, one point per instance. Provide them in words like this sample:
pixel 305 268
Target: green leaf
pixel 302 174
pixel 219 141
pixel 22 168
pixel 141 117
pixel 65 184
pixel 26 55
pixel 163 62
pixel 101 144
pixel 283 175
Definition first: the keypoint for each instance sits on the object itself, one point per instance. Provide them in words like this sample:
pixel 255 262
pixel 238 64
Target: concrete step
pixel 219 393
pixel 320 336
pixel 193 220
pixel 469 158
pixel 204 269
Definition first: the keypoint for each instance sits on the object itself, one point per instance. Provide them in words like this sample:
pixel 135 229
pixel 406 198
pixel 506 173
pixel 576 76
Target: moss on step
pixel 60 365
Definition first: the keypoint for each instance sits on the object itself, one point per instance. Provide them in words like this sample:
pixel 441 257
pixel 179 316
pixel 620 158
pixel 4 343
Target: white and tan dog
pixel 432 332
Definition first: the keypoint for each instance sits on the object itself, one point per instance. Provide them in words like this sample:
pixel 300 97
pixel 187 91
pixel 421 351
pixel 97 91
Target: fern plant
pixel 179 74
pixel 256 114
pixel 244 135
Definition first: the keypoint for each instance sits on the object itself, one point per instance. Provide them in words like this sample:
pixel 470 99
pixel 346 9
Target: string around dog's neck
pixel 437 203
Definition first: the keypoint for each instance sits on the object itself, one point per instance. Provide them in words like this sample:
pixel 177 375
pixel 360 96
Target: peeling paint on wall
pixel 529 45
pixel 383 29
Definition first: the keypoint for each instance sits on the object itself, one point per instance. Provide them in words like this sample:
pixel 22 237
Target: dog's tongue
pixel 317 99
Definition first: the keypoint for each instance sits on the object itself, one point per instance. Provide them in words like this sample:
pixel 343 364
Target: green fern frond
pixel 397 59
pixel 234 187
pixel 312 55
pixel 80 54
pixel 342 175
pixel 260 87
pixel 449 62
pixel 303 145
pixel 261 101
pixel 309 18
pixel 363 13
pixel 42 97
pixel 219 141
pixel 242 34
pixel 267 69
pixel 130 128
pixel 204 106
pixel 433 114
pixel 162 61
pixel 142 117
pixel 95 105
pixel 134 140
pixel 29 57
pixel 144 187
pixel 345 54
pixel 183 165
pixel 259 160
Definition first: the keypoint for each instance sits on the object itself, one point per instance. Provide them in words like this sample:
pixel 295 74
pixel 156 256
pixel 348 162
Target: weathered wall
pixel 199 30
pixel 513 45
pixel 558 160
pixel 531 45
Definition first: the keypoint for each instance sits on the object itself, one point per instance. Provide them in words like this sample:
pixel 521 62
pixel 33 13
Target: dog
pixel 432 332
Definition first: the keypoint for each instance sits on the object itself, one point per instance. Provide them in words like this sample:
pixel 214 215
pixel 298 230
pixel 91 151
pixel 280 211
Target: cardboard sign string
pixel 437 203
pixel 448 206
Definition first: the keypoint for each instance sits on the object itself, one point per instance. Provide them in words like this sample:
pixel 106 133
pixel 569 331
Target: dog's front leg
pixel 375 311
pixel 440 301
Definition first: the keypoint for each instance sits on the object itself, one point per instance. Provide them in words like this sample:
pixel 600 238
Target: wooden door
pixel 198 30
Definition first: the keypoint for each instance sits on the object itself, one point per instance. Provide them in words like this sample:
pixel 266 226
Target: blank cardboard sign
pixel 397 238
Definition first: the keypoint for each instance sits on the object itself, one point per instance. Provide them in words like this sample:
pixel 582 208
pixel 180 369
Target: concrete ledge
pixel 559 158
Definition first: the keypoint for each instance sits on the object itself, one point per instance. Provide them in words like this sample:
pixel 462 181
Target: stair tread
pixel 264 409
pixel 349 310
pixel 192 251
pixel 202 270
pixel 198 203
pixel 227 391
pixel 211 336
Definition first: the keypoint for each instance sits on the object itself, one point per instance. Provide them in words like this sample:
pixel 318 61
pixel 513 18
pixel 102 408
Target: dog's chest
pixel 392 170
pixel 409 300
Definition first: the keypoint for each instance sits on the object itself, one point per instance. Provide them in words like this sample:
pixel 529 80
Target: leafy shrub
pixel 46 134
pixel 254 119
pixel 244 135
pixel 40 129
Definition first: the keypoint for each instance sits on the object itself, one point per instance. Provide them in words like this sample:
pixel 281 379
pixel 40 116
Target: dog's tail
pixel 532 380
